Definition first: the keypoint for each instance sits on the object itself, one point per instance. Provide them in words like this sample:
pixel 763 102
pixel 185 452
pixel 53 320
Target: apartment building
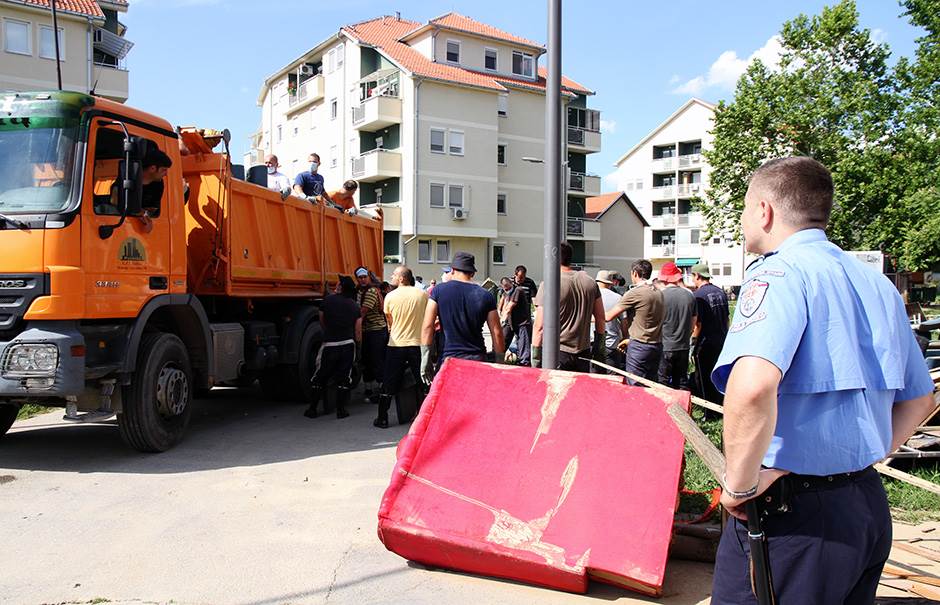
pixel 92 47
pixel 433 120
pixel 662 174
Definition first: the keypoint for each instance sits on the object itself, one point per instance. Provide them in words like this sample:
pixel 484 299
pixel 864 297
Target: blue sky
pixel 202 62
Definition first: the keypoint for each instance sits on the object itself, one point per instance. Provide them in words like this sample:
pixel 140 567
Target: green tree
pixel 834 97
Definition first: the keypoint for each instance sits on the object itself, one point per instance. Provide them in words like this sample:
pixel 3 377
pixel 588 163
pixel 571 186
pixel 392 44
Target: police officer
pixel 342 329
pixel 822 378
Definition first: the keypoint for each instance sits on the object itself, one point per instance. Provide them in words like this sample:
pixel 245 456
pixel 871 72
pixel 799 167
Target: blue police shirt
pixel 312 183
pixel 839 334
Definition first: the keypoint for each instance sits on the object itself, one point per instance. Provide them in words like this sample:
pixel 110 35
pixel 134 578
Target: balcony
pixel 665 192
pixel 376 165
pixel 112 82
pixel 690 189
pixel 582 184
pixel 310 91
pixel 692 160
pixel 377 112
pixel 688 250
pixel 391 215
pixel 664 164
pixel 663 221
pixel 582 140
pixel 691 219
pixel 583 230
pixel 662 251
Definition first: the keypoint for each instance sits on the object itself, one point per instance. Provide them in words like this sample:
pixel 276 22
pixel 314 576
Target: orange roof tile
pixel 459 22
pixel 387 32
pixel 82 7
pixel 596 206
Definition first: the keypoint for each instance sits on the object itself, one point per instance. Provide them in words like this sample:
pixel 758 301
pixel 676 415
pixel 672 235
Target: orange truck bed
pixel 266 246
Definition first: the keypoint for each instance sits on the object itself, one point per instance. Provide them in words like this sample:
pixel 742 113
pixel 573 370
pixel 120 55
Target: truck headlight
pixel 30 359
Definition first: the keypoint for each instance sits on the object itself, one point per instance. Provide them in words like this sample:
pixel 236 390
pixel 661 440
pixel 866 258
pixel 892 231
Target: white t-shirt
pixel 278 181
pixel 612 329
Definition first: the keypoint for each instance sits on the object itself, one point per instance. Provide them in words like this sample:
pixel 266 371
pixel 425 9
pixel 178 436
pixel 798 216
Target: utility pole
pixel 552 233
pixel 55 36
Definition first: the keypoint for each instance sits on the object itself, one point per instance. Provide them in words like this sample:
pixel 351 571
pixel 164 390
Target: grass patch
pixel 29 410
pixel 909 503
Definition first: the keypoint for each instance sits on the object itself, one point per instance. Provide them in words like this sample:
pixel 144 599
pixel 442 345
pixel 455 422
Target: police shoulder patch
pixel 752 296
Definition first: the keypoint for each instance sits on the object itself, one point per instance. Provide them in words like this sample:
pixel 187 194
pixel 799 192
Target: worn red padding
pixel 544 477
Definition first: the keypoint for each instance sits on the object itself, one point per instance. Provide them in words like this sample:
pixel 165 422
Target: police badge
pixel 752 297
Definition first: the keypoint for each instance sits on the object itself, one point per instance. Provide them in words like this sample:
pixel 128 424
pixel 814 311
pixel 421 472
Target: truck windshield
pixel 36 163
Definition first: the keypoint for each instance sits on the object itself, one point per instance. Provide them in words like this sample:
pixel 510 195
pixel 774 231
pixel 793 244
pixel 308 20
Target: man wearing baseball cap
pixel 709 332
pixel 374 332
pixel 678 318
pixel 615 328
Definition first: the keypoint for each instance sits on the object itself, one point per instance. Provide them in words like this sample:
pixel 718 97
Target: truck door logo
pixel 132 250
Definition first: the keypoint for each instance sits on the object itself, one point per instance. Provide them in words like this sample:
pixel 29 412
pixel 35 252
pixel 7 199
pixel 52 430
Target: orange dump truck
pixel 127 297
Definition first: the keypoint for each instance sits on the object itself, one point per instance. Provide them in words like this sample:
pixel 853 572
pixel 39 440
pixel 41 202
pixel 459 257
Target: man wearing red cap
pixel 678 319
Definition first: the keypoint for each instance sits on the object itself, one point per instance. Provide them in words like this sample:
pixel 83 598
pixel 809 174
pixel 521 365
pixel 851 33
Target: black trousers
pixel 705 359
pixel 642 359
pixel 374 343
pixel 572 362
pixel 828 548
pixel 334 364
pixel 674 369
pixel 397 360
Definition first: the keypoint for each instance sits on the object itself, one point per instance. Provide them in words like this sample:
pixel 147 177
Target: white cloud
pixel 879 36
pixel 608 126
pixel 728 67
pixel 612 181
pixel 674 79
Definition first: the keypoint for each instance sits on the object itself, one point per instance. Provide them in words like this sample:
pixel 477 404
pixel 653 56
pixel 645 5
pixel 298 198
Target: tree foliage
pixel 834 96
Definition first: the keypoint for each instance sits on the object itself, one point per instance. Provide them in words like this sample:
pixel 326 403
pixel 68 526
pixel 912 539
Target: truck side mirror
pixel 131 191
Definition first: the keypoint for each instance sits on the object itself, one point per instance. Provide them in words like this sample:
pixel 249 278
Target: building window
pixel 453 51
pixel 629 186
pixel 523 64
pixel 499 254
pixel 279 134
pixel 490 59
pixel 16 37
pixel 695 235
pixel 334 161
pixel 716 240
pixel 47 43
pixel 500 203
pixel 455 142
pixel 339 56
pixel 726 270
pixel 334 109
pixel 455 196
pixel 639 184
pixel 502 105
pixel 443 251
pixel 437 195
pixel 437 140
pixel 501 154
pixel 331 61
pixel 424 251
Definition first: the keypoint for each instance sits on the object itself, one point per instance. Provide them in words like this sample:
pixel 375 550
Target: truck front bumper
pixel 44 361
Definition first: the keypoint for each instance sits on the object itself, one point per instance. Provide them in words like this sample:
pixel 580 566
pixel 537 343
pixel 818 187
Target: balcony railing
pixel 663 192
pixel 376 165
pixel 664 164
pixel 575 227
pixel 690 189
pixel 585 139
pixel 690 160
pixel 580 182
pixel 310 90
pixel 377 112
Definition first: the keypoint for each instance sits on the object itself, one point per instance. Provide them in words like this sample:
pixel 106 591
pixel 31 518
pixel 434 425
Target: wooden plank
pixel 708 405
pixel 927 593
pixel 930 555
pixel 906 575
pixel 908 478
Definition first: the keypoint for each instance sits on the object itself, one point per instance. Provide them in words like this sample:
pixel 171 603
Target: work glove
pixel 599 347
pixel 535 357
pixel 427 368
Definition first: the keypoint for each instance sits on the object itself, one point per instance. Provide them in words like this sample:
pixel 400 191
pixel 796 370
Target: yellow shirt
pixel 405 305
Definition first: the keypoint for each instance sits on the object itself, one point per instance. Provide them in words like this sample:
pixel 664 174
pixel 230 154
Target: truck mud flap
pixel 544 477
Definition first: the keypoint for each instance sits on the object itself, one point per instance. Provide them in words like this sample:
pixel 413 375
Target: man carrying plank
pixel 822 378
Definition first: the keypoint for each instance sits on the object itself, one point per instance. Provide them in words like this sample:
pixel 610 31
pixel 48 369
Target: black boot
pixel 315 393
pixel 385 402
pixel 342 400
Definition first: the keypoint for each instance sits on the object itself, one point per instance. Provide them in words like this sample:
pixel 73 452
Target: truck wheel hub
pixel 172 391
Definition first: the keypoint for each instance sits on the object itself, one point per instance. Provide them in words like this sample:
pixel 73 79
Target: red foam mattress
pixel 545 477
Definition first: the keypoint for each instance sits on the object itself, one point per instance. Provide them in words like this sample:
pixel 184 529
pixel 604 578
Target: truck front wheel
pixel 158 403
pixel 8 413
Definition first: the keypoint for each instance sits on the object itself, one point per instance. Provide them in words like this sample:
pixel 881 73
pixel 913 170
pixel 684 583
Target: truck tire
pixel 158 403
pixel 8 413
pixel 299 375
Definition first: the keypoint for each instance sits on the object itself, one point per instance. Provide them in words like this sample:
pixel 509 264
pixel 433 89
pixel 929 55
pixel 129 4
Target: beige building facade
pixel 434 121
pixel 92 47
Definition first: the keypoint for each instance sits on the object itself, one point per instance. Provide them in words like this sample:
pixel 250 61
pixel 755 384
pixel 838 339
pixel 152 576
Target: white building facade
pixel 433 121
pixel 661 175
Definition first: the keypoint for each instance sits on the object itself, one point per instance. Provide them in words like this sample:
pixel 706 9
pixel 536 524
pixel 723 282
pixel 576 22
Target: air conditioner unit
pixel 307 70
pixel 460 213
